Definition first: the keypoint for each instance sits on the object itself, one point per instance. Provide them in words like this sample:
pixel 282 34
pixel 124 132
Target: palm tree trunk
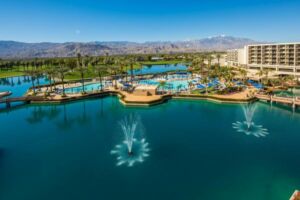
pixel 126 75
pixel 50 81
pixel 116 85
pixel 82 81
pixel 100 79
pixel 33 86
pixel 38 81
pixel 131 73
pixel 63 85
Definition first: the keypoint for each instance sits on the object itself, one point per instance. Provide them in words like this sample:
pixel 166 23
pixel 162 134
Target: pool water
pixel 64 152
pixel 176 85
pixel 155 69
pixel 87 88
pixel 19 85
pixel 170 85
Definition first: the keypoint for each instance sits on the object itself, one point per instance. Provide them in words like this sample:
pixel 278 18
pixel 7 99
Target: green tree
pixel 33 73
pixel 50 73
pixel 82 69
pixel 61 73
pixel 100 70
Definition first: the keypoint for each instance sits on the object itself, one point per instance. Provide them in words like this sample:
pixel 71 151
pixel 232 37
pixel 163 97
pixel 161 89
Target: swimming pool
pixel 87 87
pixel 170 85
pixel 177 85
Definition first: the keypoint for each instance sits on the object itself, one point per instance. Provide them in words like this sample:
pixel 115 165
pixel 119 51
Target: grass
pixel 16 71
pixel 6 74
pixel 90 74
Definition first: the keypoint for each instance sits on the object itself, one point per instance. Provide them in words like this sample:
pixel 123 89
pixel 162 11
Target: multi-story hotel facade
pixel 282 58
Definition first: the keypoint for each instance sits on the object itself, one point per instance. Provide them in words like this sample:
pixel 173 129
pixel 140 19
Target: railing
pixel 25 99
pixel 287 100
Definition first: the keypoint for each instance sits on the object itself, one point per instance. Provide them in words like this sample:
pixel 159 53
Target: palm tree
pixel 209 59
pixel 228 75
pixel 50 72
pixel 266 73
pixel 100 70
pixel 131 61
pixel 243 74
pixel 179 87
pixel 162 84
pixel 120 63
pixel 81 68
pixel 205 81
pixel 33 73
pixel 113 70
pixel 218 58
pixel 260 73
pixel 285 79
pixel 61 72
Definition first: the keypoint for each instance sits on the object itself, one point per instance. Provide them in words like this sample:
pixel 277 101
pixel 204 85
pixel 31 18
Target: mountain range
pixel 13 49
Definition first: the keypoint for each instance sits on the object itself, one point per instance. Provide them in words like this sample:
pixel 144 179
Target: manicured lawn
pixel 16 71
pixel 5 74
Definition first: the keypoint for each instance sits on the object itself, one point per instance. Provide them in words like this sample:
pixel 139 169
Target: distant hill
pixel 12 49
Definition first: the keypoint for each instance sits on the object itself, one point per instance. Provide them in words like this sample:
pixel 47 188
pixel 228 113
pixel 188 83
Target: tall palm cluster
pixel 58 69
pixel 203 65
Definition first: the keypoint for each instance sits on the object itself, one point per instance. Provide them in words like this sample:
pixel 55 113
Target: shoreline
pixel 131 100
pixel 120 96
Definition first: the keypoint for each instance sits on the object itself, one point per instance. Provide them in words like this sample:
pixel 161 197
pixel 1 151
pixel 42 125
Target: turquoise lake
pixel 64 152
pixel 155 69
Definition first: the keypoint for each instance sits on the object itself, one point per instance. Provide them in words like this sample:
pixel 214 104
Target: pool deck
pixel 132 99
pixel 240 97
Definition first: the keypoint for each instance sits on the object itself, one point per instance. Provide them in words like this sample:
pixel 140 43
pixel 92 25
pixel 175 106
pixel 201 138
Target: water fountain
pixel 132 150
pixel 248 126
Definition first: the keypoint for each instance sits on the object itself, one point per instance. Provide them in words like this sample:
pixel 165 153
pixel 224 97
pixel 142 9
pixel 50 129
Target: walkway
pixel 285 100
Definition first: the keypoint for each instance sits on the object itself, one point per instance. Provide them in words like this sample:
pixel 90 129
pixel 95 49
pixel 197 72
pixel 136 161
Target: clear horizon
pixel 135 21
pixel 140 42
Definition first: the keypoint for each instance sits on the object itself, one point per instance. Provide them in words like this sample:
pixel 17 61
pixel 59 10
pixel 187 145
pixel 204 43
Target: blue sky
pixel 145 20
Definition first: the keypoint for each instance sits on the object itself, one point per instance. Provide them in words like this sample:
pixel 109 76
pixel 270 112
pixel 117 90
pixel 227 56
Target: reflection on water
pixel 248 126
pixel 132 150
pixel 66 123
pixel 59 115
pixel 43 151
pixel 39 113
pixel 84 118
pixel 64 116
pixel 20 84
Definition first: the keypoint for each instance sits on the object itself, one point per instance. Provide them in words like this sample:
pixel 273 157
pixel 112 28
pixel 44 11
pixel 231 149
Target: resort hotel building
pixel 280 58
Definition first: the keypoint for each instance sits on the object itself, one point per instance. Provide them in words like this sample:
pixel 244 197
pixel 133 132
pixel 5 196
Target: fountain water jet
pixel 131 150
pixel 248 126
pixel 129 126
pixel 249 111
